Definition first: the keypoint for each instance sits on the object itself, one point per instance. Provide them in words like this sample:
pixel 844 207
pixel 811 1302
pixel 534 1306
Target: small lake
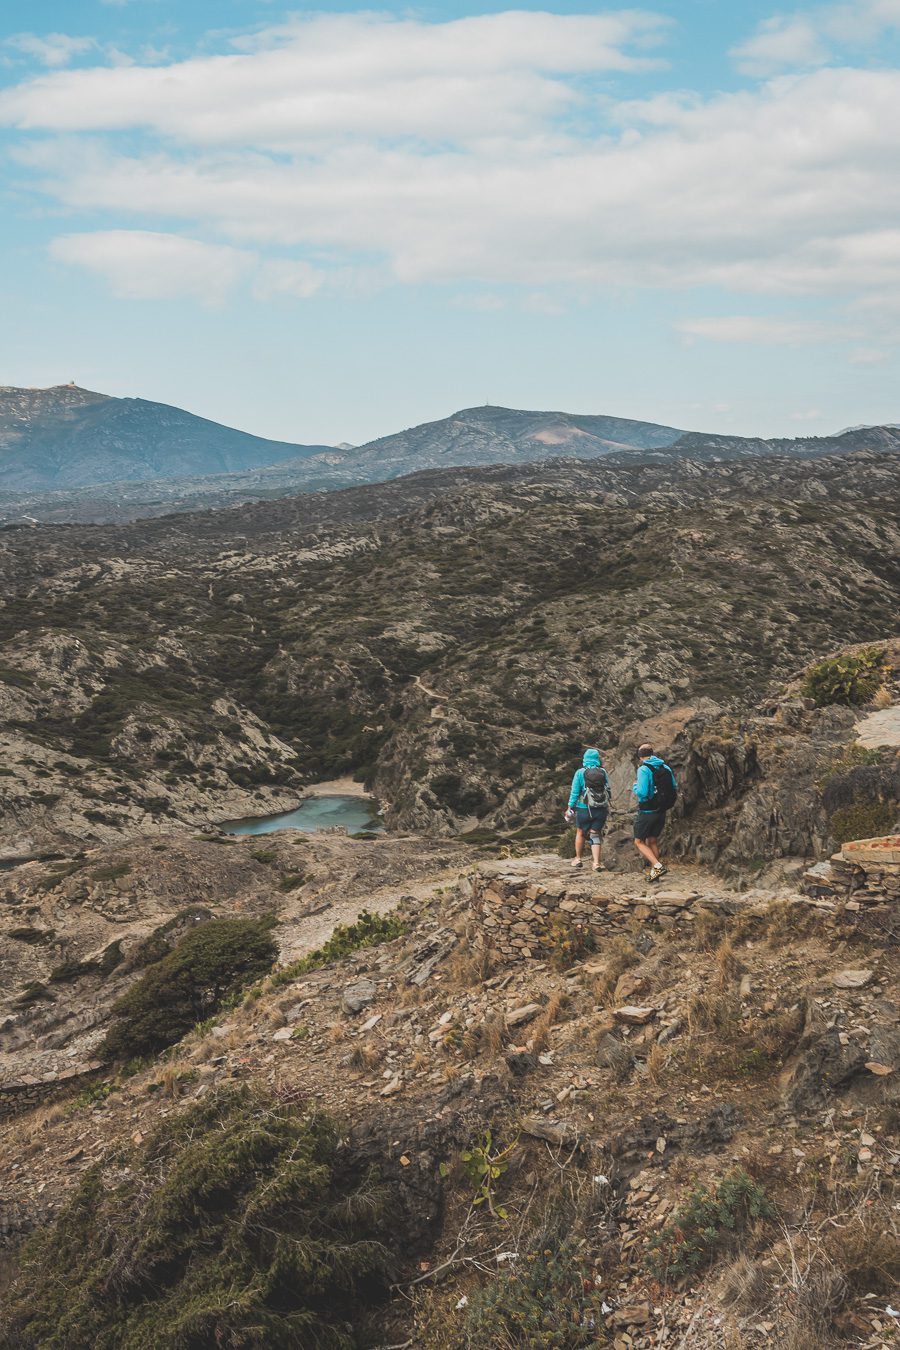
pixel 316 813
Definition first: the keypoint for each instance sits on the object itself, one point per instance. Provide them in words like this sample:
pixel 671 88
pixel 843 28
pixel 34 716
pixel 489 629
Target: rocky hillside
pixel 455 638
pixel 66 437
pixel 474 436
pixel 589 1110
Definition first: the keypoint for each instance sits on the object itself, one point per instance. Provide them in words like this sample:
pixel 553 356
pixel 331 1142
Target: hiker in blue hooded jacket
pixel 589 806
pixel 656 790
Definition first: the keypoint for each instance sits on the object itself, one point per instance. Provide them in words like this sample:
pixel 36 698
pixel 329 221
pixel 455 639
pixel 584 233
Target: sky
pixel 324 225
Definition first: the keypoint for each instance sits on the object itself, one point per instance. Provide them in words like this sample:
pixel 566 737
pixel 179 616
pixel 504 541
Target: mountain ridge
pixel 69 437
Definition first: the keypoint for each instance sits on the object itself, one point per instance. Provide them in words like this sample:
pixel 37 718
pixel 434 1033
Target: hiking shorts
pixel 593 822
pixel 649 824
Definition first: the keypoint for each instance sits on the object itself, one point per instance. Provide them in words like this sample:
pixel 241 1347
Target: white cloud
pixel 142 265
pixel 476 153
pixel 780 42
pixel 352 75
pixel 810 37
pixel 776 332
pixel 53 49
pixel 298 280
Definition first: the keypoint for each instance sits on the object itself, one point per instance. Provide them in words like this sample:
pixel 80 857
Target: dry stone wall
pixel 15 1098
pixel 865 874
pixel 522 917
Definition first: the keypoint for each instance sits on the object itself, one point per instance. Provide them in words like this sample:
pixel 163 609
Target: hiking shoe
pixel 656 872
pixel 577 863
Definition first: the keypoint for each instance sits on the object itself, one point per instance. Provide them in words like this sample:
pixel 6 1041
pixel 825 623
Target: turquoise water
pixel 316 813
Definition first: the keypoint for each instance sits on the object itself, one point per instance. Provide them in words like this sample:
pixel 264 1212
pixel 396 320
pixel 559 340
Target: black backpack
pixel 596 788
pixel 665 792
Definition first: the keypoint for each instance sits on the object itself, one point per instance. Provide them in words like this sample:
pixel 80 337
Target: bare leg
pixel 648 849
pixel 579 843
pixel 595 854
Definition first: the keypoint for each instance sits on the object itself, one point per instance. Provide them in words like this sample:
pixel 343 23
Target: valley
pixel 429 1086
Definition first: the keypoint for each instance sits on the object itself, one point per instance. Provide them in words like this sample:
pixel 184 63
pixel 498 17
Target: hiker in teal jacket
pixel 589 806
pixel 655 794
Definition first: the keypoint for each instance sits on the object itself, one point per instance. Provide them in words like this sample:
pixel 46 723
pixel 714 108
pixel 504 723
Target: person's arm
pixel 643 788
pixel 577 788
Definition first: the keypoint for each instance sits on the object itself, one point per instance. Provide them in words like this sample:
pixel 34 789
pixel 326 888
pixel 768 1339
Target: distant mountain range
pixel 67 454
pixel 67 437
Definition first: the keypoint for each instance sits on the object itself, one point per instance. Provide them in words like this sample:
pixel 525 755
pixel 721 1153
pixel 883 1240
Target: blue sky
pixel 323 225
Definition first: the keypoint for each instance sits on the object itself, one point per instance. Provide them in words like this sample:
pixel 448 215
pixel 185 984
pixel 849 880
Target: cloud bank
pixel 495 150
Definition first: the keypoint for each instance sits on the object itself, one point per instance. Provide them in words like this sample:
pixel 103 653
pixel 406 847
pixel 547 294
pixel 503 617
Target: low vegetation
pixel 212 962
pixel 852 678
pixel 368 931
pixel 705 1225
pixel 239 1223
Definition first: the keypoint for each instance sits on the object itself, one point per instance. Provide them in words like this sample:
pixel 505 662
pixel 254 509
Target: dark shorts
pixel 592 822
pixel 649 824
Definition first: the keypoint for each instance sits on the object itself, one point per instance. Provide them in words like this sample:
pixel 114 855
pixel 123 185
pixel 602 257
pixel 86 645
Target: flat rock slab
pixel 519 1016
pixel 880 728
pixel 635 1015
pixel 851 979
pixel 884 850
pixel 674 897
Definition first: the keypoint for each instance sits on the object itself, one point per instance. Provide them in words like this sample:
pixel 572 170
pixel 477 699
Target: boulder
pixel 359 995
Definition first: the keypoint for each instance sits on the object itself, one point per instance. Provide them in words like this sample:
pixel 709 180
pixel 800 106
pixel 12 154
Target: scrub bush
pixel 705 1224
pixel 211 962
pixel 850 679
pixel 238 1224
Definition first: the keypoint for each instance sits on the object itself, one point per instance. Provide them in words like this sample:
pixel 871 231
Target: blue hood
pixel 591 759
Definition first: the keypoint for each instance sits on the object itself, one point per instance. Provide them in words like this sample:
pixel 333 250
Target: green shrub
pixel 864 820
pixel 851 679
pixel 189 984
pixel 566 846
pixel 237 1224
pixel 112 872
pixel 369 931
pixel 705 1225
pixel 546 1300
pixel 291 881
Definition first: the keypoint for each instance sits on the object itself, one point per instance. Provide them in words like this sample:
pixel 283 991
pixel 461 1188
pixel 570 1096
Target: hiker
pixel 589 806
pixel 656 790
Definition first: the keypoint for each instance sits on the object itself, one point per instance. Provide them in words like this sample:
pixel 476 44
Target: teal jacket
pixel 643 788
pixel 578 795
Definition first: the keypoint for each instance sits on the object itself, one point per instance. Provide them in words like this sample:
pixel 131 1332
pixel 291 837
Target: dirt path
pixel 307 932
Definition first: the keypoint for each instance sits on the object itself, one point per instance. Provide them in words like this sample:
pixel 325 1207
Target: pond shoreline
pixel 325 806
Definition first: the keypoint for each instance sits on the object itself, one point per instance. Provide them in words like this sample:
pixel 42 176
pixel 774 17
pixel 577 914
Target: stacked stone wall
pixel 523 918
pixel 16 1098
pixel 864 874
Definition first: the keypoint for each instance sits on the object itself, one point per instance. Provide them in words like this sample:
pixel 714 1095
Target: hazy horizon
pixel 326 225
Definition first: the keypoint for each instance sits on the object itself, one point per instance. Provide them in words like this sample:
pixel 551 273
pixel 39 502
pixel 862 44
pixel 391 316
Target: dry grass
pixel 410 996
pixel 721 1040
pixel 337 1032
pixel 539 1037
pixel 824 1264
pixel 468 965
pixel 495 1034
pixel 620 955
pixel 365 1057
pixel 657 1060
pixel 44 1118
pixel 707 929
pixel 746 1287
pixel 728 967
